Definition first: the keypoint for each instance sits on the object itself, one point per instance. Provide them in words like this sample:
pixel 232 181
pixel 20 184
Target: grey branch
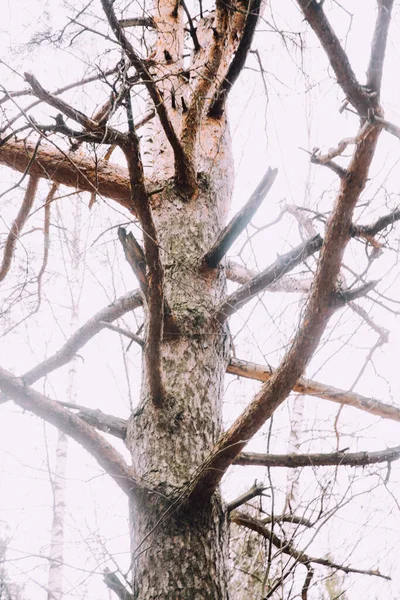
pixel 256 490
pixel 72 425
pixel 113 583
pixel 271 274
pixel 334 459
pixel 240 221
pixel 96 418
pixel 110 313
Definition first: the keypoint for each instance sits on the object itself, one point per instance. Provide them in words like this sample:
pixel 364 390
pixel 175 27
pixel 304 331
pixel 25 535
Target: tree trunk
pixel 180 552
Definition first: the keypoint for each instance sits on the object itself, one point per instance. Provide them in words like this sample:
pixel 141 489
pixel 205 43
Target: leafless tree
pixel 184 64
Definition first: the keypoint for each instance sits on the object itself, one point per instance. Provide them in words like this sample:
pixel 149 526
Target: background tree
pixel 178 71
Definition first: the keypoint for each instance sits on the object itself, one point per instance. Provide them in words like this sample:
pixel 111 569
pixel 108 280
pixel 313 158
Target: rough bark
pixel 169 443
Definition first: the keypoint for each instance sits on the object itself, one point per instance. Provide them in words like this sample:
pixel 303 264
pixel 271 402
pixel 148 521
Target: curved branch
pixel 18 224
pixel 287 547
pixel 85 333
pixel 72 425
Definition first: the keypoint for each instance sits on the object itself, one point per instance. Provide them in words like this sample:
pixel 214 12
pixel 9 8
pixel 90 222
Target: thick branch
pixel 18 224
pixel 318 311
pixel 78 171
pixel 96 418
pixel 352 459
pixel 378 46
pixel 287 548
pixel 337 56
pixel 72 425
pixel 280 267
pixel 308 387
pixel 113 583
pixel 240 221
pixel 238 61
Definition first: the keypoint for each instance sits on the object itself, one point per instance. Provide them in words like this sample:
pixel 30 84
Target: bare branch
pixel 271 274
pixel 378 47
pixel 96 418
pixel 135 256
pixel 338 59
pixel 238 61
pixel 287 548
pixel 137 22
pixel 374 228
pixel 18 225
pixel 85 333
pixel 256 490
pixel 59 104
pixel 334 459
pixel 113 583
pixel 387 126
pixel 317 313
pixel 240 221
pixel 124 332
pixel 72 425
pixel 240 274
pixel 309 387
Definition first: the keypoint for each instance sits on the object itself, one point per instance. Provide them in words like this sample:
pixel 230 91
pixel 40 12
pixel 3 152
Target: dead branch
pixel 374 228
pixel 240 221
pixel 137 22
pixel 271 274
pixel 287 518
pixel 309 387
pixel 287 547
pixel 18 225
pixel 184 168
pixel 113 583
pixel 238 61
pixel 59 104
pixel 317 313
pixel 337 169
pixel 72 425
pixel 240 274
pixel 135 256
pixel 128 334
pixel 96 418
pixel 378 46
pixel 334 459
pixel 387 126
pixel 256 490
